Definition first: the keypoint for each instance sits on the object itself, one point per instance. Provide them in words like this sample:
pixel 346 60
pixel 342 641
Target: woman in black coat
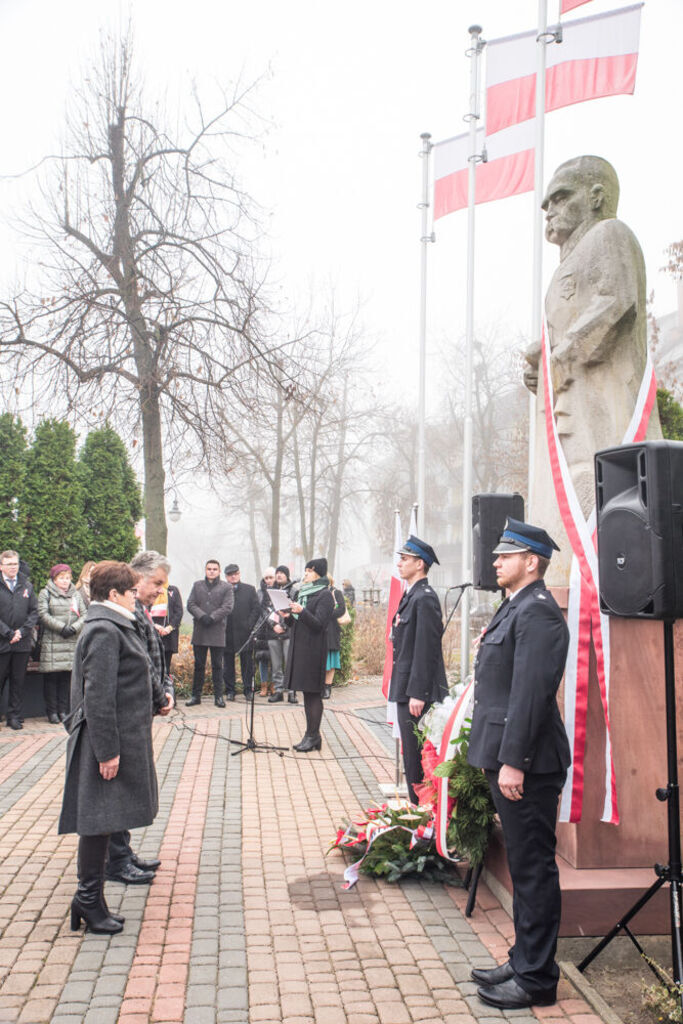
pixel 333 639
pixel 307 657
pixel 111 782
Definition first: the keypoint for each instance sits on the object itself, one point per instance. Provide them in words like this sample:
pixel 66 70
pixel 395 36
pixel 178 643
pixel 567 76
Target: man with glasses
pixel 18 616
pixel 418 676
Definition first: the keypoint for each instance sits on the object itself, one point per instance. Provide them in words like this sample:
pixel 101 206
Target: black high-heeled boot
pixel 309 743
pixel 88 904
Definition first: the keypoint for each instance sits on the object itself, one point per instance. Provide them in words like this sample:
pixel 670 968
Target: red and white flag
pixel 568 5
pixel 598 56
pixel 508 170
pixel 396 588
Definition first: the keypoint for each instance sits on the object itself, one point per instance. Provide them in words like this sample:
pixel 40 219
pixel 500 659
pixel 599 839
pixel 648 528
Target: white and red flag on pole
pixel 568 5
pixel 396 588
pixel 508 170
pixel 598 56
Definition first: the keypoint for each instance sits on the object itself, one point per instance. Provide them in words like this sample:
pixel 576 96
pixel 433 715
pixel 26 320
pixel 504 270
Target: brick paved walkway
pixel 246 922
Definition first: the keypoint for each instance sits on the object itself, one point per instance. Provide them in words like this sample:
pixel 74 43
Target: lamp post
pixel 174 513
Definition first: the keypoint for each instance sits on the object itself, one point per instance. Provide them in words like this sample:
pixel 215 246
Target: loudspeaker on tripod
pixel 489 514
pixel 639 502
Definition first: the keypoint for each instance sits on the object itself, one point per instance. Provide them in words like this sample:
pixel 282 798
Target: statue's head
pixel 581 192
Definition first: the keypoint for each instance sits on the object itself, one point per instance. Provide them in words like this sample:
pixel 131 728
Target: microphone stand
pixel 250 743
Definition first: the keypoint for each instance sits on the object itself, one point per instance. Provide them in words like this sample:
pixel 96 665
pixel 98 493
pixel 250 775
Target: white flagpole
pixel 537 284
pixel 474 53
pixel 425 239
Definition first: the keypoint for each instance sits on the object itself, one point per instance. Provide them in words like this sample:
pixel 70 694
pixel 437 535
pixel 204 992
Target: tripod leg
pixel 655 887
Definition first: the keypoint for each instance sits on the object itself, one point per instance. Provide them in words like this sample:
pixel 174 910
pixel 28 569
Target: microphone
pixel 460 586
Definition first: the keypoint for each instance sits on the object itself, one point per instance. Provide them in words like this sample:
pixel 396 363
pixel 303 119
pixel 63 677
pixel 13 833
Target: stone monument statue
pixel 596 321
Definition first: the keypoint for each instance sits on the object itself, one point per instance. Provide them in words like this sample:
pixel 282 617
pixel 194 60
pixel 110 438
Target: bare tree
pixel 148 301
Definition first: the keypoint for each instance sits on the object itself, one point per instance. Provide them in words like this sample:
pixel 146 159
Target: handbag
pixel 345 619
pixel 37 642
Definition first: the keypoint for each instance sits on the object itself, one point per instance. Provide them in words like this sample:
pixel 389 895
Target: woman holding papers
pixel 311 614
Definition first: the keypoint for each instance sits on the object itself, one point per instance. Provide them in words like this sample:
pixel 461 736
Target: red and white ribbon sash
pixel 584 617
pixel 461 711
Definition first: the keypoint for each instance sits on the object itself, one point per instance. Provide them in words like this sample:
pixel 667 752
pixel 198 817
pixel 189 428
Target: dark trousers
pixel 246 666
pixel 412 759
pixel 56 692
pixel 200 653
pixel 313 706
pixel 14 664
pixel 529 832
pixel 119 851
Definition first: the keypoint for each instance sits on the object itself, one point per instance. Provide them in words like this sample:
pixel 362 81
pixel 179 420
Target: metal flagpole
pixel 474 53
pixel 425 239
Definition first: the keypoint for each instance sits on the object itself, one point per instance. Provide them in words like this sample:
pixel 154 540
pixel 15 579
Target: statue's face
pixel 568 203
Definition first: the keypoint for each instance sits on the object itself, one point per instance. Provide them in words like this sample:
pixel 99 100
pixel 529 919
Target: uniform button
pixel 505 719
pixel 476 702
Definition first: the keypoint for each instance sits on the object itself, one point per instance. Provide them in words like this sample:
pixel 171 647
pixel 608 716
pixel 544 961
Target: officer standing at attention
pixel 518 738
pixel 418 676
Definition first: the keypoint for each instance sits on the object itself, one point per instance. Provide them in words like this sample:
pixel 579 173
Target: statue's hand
pixel 533 358
pixel 530 377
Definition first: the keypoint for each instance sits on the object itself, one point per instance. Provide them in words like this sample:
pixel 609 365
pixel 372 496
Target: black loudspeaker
pixel 489 513
pixel 639 501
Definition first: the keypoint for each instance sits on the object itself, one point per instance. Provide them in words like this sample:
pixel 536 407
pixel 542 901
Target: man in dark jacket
pixel 123 864
pixel 245 614
pixel 519 740
pixel 210 603
pixel 418 676
pixel 18 616
pixel 278 642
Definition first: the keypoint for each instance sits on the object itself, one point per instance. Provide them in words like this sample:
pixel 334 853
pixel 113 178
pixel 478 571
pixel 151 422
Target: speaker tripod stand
pixel 666 873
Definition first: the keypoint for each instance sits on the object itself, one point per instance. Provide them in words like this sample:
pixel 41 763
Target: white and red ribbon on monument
pixel 460 712
pixel 584 617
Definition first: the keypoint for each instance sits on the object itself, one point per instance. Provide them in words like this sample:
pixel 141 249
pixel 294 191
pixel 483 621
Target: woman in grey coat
pixel 60 611
pixel 110 781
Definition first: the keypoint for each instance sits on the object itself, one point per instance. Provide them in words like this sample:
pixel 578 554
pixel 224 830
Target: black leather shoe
pixel 145 865
pixel 129 874
pixel 192 702
pixel 248 694
pixel 53 718
pixel 230 696
pixel 219 702
pixel 509 995
pixel 14 723
pixel 276 698
pixel 308 743
pixel 492 975
pixel 292 699
pixel 61 716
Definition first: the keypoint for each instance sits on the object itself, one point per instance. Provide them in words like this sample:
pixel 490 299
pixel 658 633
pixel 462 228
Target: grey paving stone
pixel 77 992
pixel 200 1015
pixel 232 998
pixel 200 995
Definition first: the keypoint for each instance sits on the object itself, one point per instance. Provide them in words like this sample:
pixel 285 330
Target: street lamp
pixel 174 512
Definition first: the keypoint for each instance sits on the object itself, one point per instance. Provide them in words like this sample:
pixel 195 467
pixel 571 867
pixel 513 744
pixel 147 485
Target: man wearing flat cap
pixel 519 740
pixel 418 676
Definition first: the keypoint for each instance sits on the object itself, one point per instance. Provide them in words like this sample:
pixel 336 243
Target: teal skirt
pixel 333 660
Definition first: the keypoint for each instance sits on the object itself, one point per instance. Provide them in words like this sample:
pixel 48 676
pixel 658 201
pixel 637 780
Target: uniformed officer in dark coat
pixel 418 676
pixel 518 738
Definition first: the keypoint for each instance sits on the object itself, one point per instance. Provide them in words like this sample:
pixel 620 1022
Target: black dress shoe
pixel 219 702
pixel 14 723
pixel 492 975
pixel 129 874
pixel 53 718
pixel 145 865
pixel 248 694
pixel 276 697
pixel 308 743
pixel 192 702
pixel 230 696
pixel 61 716
pixel 292 699
pixel 509 995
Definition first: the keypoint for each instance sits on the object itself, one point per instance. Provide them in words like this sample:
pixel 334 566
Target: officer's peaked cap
pixel 419 549
pixel 519 536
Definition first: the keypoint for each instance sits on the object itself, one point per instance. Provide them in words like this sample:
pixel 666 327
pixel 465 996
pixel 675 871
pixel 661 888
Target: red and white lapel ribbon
pixel 461 711
pixel 583 616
